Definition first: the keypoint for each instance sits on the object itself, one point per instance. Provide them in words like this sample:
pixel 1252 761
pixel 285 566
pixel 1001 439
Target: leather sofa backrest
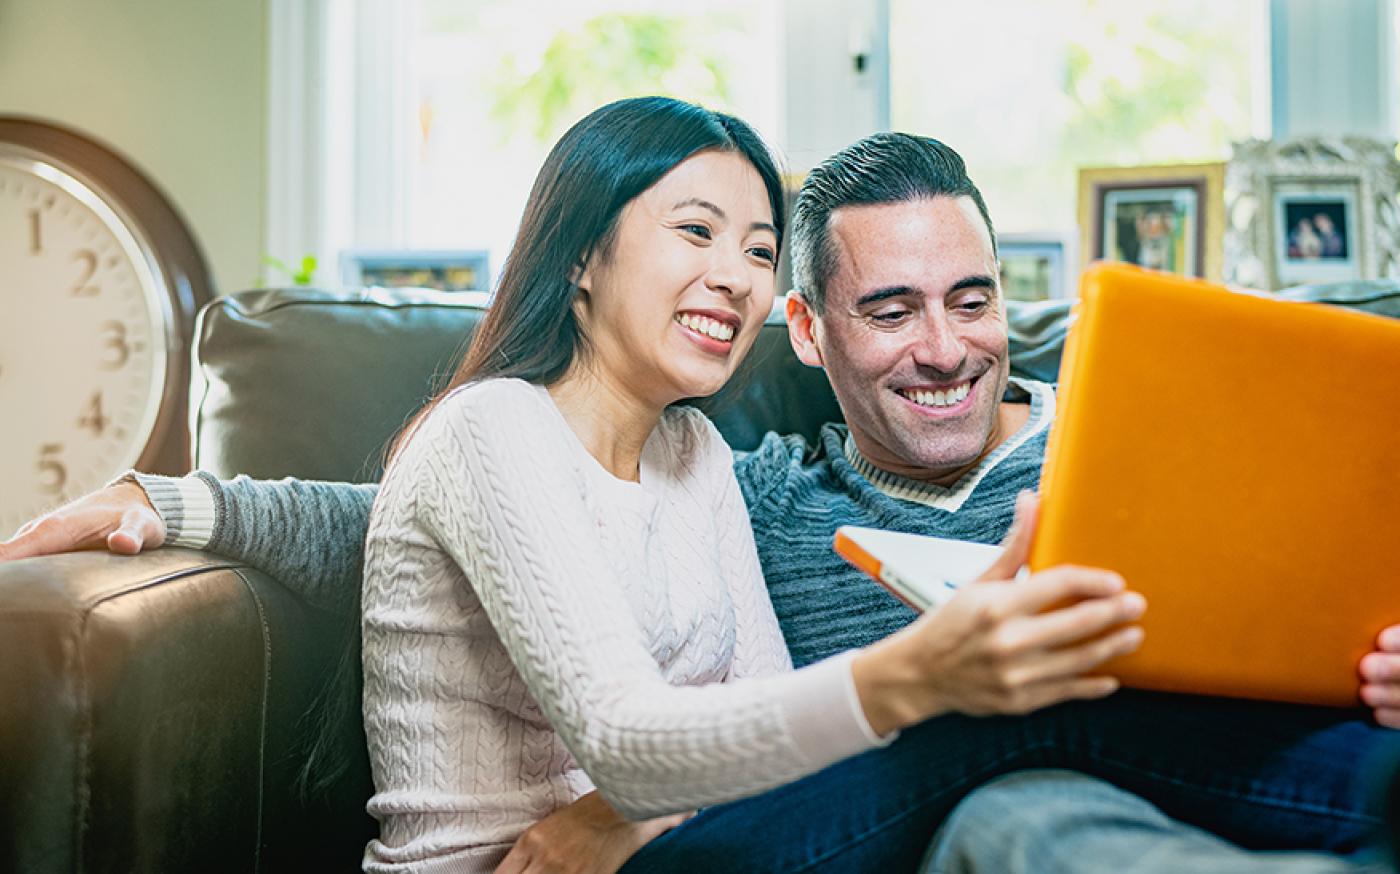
pixel 314 384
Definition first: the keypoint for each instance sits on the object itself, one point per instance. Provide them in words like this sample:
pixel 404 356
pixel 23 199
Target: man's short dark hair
pixel 881 168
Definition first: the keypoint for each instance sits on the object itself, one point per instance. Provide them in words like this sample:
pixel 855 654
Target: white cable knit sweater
pixel 529 617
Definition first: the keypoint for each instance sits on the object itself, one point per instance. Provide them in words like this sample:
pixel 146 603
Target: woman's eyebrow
pixel 722 216
pixel 703 204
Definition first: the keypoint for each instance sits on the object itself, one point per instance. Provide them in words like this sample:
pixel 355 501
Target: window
pixel 1030 90
pixel 498 81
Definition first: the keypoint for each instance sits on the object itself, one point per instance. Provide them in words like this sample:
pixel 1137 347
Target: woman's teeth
pixel 943 398
pixel 707 326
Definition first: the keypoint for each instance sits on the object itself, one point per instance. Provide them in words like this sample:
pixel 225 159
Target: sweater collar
pixel 951 498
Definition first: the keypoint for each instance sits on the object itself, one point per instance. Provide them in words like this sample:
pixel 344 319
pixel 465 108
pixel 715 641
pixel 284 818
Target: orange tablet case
pixel 1234 457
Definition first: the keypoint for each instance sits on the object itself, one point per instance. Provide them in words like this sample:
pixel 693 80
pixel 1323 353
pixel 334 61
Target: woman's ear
pixel 582 274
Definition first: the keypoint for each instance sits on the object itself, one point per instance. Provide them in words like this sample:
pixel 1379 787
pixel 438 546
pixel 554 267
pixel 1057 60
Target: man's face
pixel 913 335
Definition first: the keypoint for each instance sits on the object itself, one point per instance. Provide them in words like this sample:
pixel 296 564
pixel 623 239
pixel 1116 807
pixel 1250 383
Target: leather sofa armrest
pixel 155 716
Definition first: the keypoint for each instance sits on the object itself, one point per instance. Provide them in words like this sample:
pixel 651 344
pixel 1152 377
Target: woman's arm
pixel 759 648
pixel 497 488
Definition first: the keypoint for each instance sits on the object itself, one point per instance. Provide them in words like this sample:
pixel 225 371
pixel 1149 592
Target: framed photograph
pixel 444 270
pixel 1314 225
pixel 1311 210
pixel 1035 266
pixel 1167 217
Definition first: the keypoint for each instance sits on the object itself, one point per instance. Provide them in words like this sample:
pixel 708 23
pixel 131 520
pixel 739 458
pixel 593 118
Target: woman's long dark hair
pixel 599 166
pixel 530 331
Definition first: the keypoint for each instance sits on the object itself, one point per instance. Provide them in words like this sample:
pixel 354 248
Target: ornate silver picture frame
pixel 1311 210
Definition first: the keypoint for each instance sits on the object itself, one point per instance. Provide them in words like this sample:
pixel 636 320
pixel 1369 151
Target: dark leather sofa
pixel 155 708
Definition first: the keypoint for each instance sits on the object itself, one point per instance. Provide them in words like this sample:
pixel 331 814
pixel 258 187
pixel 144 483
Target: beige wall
pixel 177 86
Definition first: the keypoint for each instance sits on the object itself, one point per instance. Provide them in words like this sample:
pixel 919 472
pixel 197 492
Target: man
pixel 899 302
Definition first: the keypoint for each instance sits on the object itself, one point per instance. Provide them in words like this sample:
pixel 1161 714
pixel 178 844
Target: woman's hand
pixel 1000 646
pixel 587 837
pixel 118 518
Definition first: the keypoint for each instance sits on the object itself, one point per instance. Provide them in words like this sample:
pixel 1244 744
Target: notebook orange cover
pixel 1237 459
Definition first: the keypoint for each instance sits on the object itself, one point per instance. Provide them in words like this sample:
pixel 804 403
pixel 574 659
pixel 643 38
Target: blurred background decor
pixel 1167 217
pixel 1315 209
pixel 443 270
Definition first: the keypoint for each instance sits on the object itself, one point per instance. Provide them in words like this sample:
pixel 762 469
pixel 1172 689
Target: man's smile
pixel 941 398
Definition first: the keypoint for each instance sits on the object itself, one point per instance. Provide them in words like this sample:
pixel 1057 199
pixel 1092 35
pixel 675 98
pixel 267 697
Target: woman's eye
pixel 697 230
pixel 764 253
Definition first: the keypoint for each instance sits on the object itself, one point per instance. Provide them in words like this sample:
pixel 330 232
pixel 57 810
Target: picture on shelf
pixel 1315 232
pixel 1312 210
pixel 440 270
pixel 1168 218
pixel 1032 266
pixel 1153 227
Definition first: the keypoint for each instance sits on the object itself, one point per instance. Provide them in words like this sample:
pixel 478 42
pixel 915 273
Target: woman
pixel 562 590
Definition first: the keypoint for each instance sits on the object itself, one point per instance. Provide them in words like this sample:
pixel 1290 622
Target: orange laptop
pixel 1237 459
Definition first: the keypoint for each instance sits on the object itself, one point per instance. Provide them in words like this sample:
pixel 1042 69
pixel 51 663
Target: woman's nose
pixel 729 273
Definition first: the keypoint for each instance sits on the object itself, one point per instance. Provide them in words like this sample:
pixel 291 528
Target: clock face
pixel 84 328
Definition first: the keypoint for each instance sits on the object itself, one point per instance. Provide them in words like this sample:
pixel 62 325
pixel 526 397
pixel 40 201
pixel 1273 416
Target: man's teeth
pixel 707 326
pixel 942 398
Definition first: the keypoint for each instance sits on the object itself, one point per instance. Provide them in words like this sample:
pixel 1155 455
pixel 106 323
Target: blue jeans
pixel 1265 776
pixel 1063 822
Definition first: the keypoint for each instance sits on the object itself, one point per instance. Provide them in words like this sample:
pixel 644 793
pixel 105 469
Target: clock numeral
pixel 93 417
pixel 115 351
pixel 53 475
pixel 89 259
pixel 36 241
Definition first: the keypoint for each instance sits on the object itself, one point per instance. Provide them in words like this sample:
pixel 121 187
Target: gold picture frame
pixel 1165 216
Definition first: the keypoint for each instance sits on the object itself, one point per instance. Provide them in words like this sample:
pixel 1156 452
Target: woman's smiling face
pixel 675 302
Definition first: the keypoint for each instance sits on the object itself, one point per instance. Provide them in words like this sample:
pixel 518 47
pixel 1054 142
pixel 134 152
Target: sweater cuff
pixel 825 718
pixel 185 504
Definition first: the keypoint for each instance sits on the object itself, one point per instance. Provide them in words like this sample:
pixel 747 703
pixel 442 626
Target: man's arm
pixel 309 535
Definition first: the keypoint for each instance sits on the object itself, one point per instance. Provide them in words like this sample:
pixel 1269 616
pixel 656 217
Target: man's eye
pixel 889 317
pixel 976 305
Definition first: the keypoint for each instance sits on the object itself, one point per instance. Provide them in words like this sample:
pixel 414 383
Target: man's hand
pixel 118 518
pixel 1001 646
pixel 587 837
pixel 1380 678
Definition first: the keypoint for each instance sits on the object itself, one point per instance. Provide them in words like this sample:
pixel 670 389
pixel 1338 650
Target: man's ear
pixel 802 330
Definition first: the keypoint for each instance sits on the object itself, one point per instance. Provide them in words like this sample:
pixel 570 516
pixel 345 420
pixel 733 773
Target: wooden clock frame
pixel 164 236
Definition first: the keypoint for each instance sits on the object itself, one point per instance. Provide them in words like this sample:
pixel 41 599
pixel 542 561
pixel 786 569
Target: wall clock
pixel 100 280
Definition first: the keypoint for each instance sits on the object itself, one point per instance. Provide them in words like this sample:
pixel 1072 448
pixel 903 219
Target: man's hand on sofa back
pixel 118 518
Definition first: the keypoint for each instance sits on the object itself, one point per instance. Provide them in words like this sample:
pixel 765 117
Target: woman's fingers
pixel 1075 661
pixel 1064 583
pixel 1076 689
pixel 1016 547
pixel 1075 623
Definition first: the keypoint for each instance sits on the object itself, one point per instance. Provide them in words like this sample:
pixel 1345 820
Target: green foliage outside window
pixel 607 58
